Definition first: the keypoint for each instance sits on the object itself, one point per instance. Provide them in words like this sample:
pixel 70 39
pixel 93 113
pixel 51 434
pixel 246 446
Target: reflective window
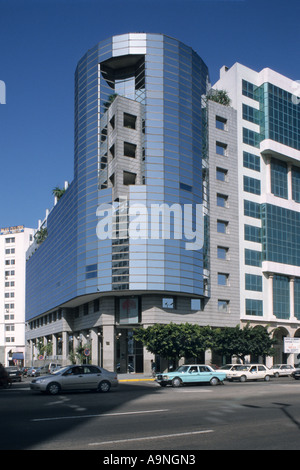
pixel 251 161
pixel 253 282
pixel 279 178
pixel 223 306
pixel 281 297
pixel 296 183
pixel 222 226
pixel 253 257
pixel 223 279
pixel 254 307
pixel 252 209
pixel 252 233
pixel 251 185
pixel 280 234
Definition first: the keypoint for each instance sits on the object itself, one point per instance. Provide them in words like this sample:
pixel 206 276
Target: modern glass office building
pixel 268 113
pixel 180 210
pixel 125 244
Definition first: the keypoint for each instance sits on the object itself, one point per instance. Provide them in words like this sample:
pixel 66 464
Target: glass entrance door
pixel 130 354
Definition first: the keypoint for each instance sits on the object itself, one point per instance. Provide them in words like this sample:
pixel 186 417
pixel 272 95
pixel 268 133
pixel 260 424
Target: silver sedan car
pixel 83 377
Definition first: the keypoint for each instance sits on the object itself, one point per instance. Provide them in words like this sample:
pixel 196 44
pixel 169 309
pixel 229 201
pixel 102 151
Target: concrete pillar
pixel 268 174
pixel 122 339
pixel 147 361
pixel 290 194
pixel 269 361
pixel 109 354
pixel 95 359
pixel 292 300
pixel 65 348
pixel 270 315
pixel 54 346
pixel 208 357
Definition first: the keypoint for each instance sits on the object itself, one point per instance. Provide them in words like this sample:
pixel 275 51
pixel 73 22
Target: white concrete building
pixel 14 242
pixel 268 118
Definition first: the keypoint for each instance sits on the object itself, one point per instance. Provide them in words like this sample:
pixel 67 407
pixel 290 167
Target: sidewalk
pixel 135 378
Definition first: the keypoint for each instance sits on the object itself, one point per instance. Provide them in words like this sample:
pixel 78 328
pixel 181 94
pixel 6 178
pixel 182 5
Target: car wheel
pixel 53 388
pixel 243 378
pixel 276 375
pixel 267 378
pixel 104 386
pixel 176 382
pixel 214 381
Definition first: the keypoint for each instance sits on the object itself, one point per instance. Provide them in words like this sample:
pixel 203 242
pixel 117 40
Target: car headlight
pixel 165 377
pixel 40 381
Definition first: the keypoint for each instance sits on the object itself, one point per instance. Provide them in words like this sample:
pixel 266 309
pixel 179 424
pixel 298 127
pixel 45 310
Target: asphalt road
pixel 143 416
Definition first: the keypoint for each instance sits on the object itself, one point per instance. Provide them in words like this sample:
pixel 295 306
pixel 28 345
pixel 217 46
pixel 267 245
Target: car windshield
pixel 182 369
pixel 235 367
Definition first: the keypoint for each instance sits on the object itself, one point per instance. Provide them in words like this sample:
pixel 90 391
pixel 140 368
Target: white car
pixel 282 370
pixel 244 372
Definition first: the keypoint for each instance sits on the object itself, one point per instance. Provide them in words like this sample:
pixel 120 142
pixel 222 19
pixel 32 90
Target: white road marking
pixel 147 438
pixel 193 391
pixel 104 415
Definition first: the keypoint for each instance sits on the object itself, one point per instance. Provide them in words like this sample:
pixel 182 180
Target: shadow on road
pixel 30 418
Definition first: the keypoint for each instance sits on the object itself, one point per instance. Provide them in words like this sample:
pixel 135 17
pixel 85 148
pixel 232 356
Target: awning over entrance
pixel 19 356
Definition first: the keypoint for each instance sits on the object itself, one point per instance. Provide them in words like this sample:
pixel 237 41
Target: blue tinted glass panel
pixel 254 307
pixel 251 185
pixel 253 282
pixel 297 297
pixel 280 235
pixel 251 161
pixel 281 297
pixel 296 184
pixel 279 178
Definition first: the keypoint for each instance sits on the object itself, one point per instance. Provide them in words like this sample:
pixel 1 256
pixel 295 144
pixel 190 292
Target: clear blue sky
pixel 41 42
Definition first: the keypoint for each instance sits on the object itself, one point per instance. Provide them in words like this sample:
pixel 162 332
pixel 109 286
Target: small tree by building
pixel 174 341
pixel 242 342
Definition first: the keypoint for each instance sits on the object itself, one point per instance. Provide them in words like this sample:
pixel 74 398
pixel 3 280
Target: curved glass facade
pixel 138 140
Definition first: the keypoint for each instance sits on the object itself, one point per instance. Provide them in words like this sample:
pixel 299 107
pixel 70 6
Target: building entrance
pixel 130 356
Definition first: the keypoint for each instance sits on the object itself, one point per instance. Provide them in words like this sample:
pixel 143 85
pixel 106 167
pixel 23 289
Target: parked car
pixel 24 371
pixel 84 377
pixel 14 373
pixel 46 369
pixel 40 371
pixel 282 370
pixel 296 374
pixel 31 371
pixel 190 374
pixel 49 368
pixel 244 372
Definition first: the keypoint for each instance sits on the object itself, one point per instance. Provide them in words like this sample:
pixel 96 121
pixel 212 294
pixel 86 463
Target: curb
pixel 137 380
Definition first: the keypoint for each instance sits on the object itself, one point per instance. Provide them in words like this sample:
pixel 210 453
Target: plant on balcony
pixel 58 192
pixel 41 235
pixel 219 96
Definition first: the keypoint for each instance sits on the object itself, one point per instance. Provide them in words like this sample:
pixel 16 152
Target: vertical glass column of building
pixel 138 139
pixel 160 81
